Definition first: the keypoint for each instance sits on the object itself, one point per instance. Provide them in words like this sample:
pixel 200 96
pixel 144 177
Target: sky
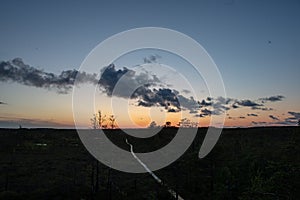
pixel 255 45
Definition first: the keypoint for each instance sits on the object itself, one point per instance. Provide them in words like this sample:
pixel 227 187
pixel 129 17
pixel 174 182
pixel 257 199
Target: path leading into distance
pixel 172 192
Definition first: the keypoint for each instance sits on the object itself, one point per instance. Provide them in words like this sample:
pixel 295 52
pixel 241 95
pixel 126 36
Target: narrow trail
pixel 172 192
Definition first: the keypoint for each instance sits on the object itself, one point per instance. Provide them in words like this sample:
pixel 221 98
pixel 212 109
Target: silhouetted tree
pixel 299 122
pixel 101 119
pixel 94 122
pixel 112 120
pixel 168 124
pixel 152 125
pixel 97 121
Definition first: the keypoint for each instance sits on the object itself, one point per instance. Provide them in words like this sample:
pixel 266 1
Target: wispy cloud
pixel 2 103
pixel 260 123
pixel 273 117
pixel 252 115
pixel 295 114
pixel 261 108
pixel 185 91
pixel 272 98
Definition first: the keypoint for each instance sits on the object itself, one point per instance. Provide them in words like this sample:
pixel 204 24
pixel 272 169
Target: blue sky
pixel 255 44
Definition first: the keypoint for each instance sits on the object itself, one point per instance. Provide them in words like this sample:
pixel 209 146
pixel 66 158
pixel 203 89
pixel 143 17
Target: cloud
pixel 2 103
pixel 273 117
pixel 217 105
pixel 248 103
pixel 206 112
pixel 234 106
pixel 185 91
pixel 199 115
pixel 272 98
pixel 163 97
pixel 288 121
pixel 252 115
pixel 205 103
pixel 128 82
pixel 151 59
pixel 188 103
pixel 259 123
pixel 295 114
pixel 223 100
pixel 143 87
pixel 172 110
pixel 261 108
pixel 17 71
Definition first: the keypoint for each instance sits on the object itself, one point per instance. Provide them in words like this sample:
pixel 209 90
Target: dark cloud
pixel 2 103
pixel 172 110
pixel 128 81
pixel 284 123
pixel 295 114
pixel 185 91
pixel 223 100
pixel 261 108
pixel 234 106
pixel 288 121
pixel 205 103
pixel 151 59
pixel 17 71
pixel 248 103
pixel 188 103
pixel 272 98
pixel 163 97
pixel 214 106
pixel 206 112
pixel 259 123
pixel 193 112
pixel 273 117
pixel 141 87
pixel 199 115
pixel 291 120
pixel 252 115
pixel 219 105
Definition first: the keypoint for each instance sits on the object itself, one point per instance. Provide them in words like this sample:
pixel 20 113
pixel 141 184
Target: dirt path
pixel 172 192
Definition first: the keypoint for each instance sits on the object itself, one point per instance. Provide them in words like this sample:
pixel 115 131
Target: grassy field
pixel 252 163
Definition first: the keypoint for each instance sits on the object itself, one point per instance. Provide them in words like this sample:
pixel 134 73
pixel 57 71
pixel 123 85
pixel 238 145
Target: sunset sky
pixel 254 44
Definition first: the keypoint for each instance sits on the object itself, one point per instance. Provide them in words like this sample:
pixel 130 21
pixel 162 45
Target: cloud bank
pixel 143 87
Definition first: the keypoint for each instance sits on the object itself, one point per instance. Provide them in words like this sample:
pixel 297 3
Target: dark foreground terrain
pixel 254 163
